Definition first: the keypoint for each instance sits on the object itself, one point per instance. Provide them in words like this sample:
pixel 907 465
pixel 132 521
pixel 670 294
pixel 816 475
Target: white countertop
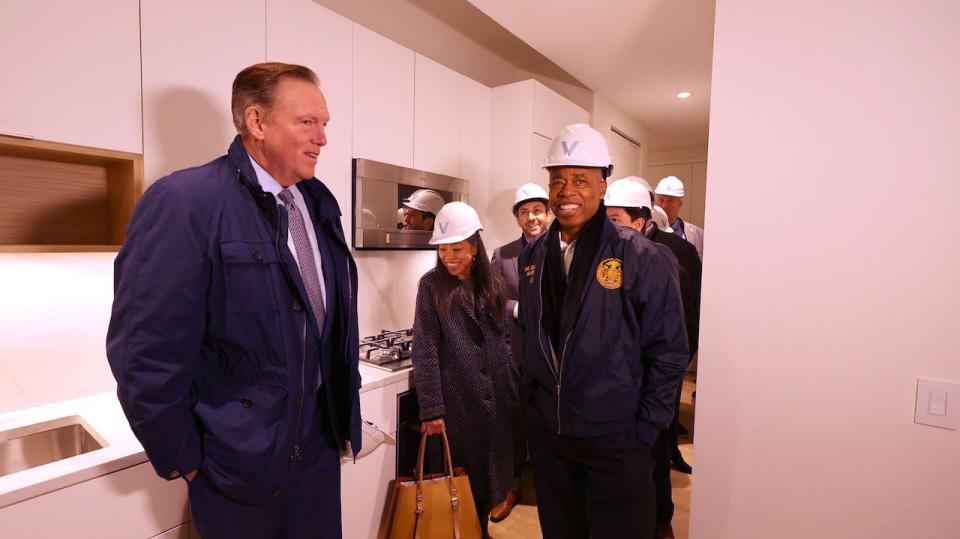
pixel 103 414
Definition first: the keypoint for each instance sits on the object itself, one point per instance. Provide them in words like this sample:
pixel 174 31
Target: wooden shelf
pixel 63 197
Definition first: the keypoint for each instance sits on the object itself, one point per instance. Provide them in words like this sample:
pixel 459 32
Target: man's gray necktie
pixel 308 266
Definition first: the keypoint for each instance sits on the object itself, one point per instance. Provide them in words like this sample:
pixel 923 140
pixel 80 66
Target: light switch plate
pixel 938 403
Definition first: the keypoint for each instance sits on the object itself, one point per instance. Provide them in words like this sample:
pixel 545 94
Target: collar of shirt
pixel 566 253
pixel 267 182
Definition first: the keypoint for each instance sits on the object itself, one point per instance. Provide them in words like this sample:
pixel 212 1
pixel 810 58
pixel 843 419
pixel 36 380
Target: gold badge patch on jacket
pixel 530 271
pixel 610 273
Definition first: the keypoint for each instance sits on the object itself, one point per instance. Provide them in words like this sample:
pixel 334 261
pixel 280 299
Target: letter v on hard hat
pixel 456 221
pixel 578 145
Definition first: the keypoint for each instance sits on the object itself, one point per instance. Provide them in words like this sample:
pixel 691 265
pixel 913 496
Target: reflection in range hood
pixel 379 188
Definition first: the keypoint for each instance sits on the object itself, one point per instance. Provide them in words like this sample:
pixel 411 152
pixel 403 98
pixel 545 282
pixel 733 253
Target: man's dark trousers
pixel 310 509
pixel 592 487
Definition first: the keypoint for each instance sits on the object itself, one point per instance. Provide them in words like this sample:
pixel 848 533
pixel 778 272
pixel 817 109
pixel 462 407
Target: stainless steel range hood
pixel 379 190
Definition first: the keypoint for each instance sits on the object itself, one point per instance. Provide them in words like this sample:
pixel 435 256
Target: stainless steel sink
pixel 42 443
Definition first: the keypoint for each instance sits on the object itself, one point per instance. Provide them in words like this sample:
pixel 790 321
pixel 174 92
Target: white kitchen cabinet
pixel 552 112
pixel 383 97
pixel 437 115
pixel 365 484
pixel 191 53
pixel 72 72
pixel 132 503
pixel 475 143
pixel 524 116
pixel 306 33
pixel 539 146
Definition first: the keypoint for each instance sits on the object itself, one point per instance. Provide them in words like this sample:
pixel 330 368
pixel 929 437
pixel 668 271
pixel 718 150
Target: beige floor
pixel 523 523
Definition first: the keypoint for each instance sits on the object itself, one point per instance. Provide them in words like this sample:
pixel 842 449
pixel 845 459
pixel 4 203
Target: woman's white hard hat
pixel 456 221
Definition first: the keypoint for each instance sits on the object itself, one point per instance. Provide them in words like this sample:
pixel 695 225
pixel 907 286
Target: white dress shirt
pixel 270 185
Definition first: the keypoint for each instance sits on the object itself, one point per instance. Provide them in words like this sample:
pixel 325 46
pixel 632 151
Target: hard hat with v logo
pixel 578 145
pixel 455 222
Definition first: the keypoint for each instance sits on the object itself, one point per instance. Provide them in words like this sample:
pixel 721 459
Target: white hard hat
pixel 626 193
pixel 529 191
pixel 578 145
pixel 660 218
pixel 426 200
pixel 456 221
pixel 670 186
pixel 639 180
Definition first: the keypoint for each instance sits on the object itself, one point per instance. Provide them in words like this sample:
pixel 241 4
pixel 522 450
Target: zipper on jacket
pixel 552 358
pixel 558 371
pixel 296 457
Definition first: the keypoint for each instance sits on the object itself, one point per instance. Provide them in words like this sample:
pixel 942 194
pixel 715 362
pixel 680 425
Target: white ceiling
pixel 635 53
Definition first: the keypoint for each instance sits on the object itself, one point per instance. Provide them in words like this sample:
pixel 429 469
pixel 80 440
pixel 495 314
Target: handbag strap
pixel 454 495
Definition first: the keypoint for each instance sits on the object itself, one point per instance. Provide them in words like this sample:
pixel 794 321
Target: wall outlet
pixel 938 403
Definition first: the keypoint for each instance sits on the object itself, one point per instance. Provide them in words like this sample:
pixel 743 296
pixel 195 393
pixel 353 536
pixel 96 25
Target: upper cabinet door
pixel 306 33
pixel 192 51
pixel 475 140
pixel 72 72
pixel 383 83
pixel 437 117
pixel 552 112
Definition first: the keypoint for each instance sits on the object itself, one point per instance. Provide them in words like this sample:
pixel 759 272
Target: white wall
pixel 53 325
pixel 830 277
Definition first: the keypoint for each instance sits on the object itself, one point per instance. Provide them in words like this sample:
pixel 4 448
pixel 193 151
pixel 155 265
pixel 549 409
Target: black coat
pixel 464 374
pixel 505 263
pixel 691 271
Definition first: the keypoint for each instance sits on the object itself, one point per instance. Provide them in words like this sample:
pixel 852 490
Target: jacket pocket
pixel 241 428
pixel 250 270
pixel 610 393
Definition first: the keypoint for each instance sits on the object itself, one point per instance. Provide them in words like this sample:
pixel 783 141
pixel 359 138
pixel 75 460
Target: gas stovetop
pixel 389 350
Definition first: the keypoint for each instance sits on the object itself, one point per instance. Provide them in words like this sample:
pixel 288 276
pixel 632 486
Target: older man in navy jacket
pixel 233 337
pixel 604 350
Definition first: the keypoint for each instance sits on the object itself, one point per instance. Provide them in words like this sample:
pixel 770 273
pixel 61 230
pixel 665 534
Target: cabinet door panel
pixel 72 72
pixel 437 118
pixel 190 58
pixel 552 111
pixel 475 141
pixel 309 34
pixel 538 175
pixel 383 83
pixel 130 503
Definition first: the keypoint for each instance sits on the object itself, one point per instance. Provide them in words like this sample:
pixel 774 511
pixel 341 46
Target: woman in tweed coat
pixel 465 378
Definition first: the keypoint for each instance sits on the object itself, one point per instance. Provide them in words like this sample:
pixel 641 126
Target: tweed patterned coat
pixel 463 372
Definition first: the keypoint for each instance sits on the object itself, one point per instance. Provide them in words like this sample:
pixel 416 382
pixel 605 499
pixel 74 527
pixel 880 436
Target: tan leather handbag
pixel 434 508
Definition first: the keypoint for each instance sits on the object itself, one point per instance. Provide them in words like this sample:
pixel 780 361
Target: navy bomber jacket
pixel 627 351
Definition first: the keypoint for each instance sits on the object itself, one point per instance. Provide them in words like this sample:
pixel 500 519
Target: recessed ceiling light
pixel 684 95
